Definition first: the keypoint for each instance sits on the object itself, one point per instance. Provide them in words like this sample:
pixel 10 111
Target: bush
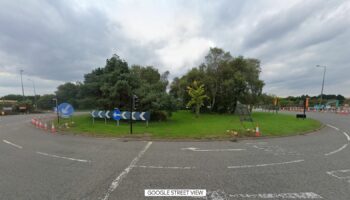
pixel 159 116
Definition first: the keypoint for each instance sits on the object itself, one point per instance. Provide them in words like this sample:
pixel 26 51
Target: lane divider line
pixel 63 157
pixel 265 165
pixel 347 136
pixel 161 167
pixel 333 127
pixel 10 143
pixel 336 151
pixel 115 183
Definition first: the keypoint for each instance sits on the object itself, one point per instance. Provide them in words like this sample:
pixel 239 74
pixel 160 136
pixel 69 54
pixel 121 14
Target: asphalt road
pixel 35 164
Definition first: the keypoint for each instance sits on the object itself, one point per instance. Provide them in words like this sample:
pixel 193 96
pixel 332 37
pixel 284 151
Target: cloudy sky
pixel 59 41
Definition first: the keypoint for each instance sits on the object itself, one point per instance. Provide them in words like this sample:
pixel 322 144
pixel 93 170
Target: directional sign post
pixel 93 114
pixel 117 115
pixel 65 110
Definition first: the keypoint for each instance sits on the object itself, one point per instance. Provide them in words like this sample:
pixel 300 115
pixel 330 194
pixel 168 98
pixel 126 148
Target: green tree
pixel 45 102
pixel 197 94
pixel 68 92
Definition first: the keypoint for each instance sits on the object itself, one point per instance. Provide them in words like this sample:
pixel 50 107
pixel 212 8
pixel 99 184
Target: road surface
pixel 35 164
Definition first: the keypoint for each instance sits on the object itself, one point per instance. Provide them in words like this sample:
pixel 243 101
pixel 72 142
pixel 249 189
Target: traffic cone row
pixel 38 123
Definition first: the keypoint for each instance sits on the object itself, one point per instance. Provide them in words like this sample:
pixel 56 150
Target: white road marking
pixel 162 167
pixel 264 165
pixel 333 127
pixel 301 195
pixel 336 151
pixel 67 158
pixel 347 136
pixel 116 181
pixel 345 177
pixel 248 143
pixel 10 143
pixel 196 149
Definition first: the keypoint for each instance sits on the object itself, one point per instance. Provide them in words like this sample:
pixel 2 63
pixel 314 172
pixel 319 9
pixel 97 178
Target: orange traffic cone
pixel 37 123
pixel 45 126
pixel 257 131
pixel 53 129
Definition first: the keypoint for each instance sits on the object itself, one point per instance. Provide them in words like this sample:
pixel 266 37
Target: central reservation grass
pixel 184 124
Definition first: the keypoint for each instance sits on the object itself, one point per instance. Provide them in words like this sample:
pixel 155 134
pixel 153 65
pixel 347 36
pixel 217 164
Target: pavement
pixel 36 164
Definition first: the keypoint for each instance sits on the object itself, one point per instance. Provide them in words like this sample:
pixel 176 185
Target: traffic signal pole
pixel 131 107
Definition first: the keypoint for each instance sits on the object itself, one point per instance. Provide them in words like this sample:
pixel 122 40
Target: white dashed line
pixel 10 143
pixel 67 158
pixel 301 195
pixel 161 167
pixel 336 151
pixel 125 172
pixel 214 150
pixel 335 128
pixel 264 165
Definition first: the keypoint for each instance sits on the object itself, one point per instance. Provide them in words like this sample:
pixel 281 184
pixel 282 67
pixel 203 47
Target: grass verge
pixel 184 125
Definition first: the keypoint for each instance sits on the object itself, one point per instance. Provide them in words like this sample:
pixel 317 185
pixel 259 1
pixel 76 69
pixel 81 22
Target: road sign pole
pixel 105 120
pixel 131 105
pixel 117 122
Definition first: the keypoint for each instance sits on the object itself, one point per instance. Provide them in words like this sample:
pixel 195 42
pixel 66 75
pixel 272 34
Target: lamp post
pixel 21 71
pixel 324 74
pixel 34 92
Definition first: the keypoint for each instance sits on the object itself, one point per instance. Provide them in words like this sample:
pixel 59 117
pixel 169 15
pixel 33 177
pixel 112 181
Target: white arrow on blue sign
pixel 65 110
pixel 116 114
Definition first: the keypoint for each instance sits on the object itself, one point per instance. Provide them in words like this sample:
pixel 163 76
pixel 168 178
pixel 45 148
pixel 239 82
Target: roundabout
pixel 40 165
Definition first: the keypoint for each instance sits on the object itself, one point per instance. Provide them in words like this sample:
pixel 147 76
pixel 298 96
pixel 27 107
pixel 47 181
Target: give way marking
pixel 197 149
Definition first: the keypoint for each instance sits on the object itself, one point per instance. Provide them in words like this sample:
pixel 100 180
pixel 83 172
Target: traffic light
pixel 136 102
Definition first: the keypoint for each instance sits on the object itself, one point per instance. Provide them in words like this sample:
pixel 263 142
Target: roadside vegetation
pixel 184 125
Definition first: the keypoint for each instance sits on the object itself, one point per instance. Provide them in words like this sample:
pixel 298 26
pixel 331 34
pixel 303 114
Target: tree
pixel 68 92
pixel 111 86
pixel 227 80
pixel 197 94
pixel 45 102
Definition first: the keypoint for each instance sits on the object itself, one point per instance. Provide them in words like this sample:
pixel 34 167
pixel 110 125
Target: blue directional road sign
pixel 126 115
pixel 144 116
pixel 101 114
pixel 117 114
pixel 65 110
pixel 94 113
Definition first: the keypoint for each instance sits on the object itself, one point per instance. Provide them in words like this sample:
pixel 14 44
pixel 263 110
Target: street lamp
pixel 324 74
pixel 21 71
pixel 34 92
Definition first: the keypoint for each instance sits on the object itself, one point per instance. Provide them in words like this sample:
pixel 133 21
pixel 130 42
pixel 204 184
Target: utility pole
pixel 35 106
pixel 324 75
pixel 21 71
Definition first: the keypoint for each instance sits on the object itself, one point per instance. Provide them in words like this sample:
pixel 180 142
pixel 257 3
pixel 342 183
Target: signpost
pixel 117 115
pixel 244 113
pixel 65 110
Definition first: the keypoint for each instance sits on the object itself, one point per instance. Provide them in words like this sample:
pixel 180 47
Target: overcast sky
pixel 59 41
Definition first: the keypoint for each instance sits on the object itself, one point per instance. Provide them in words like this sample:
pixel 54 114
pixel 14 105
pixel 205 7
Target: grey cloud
pixel 56 44
pixel 53 40
pixel 281 23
